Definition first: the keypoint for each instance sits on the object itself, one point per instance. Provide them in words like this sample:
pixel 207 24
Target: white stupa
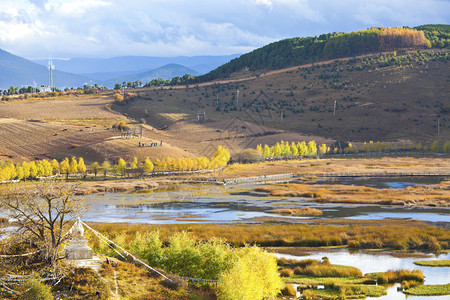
pixel 78 248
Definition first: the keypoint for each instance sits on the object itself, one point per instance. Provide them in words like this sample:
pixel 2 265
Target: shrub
pixel 407 284
pixel 382 278
pixel 205 260
pixel 107 269
pixel 323 270
pixel 248 156
pixel 37 290
pixel 173 283
pixel 287 272
pixel 404 275
pixel 148 246
pixel 181 256
pixel 298 270
pixel 297 263
pixel 353 244
pixel 289 290
pixel 118 97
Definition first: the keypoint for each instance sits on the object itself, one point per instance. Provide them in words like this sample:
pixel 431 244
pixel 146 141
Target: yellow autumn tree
pixel 81 165
pixel 253 276
pixel 148 165
pixel 64 167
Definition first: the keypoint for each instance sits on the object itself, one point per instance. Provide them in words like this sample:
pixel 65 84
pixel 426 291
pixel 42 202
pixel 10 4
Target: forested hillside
pixel 298 51
pixel 438 35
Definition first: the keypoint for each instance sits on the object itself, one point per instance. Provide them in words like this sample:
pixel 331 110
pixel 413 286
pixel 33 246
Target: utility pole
pixel 237 97
pixel 281 116
pixel 51 67
pixel 334 110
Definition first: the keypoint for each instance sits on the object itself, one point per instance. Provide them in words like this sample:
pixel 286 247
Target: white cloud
pixel 266 3
pixel 73 9
pixel 105 28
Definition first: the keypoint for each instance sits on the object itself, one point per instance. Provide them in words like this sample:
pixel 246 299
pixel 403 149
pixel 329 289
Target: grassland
pixel 375 234
pixel 355 165
pixel 433 263
pixel 135 283
pixel 123 280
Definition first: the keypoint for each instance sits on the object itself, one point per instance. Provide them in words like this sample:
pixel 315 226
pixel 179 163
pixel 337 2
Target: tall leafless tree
pixel 44 213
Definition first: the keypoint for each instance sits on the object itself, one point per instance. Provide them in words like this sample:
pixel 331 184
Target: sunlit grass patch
pixel 304 211
pixel 82 283
pixel 392 276
pixel 433 263
pixel 316 268
pixel 104 122
pixel 369 234
pixel 429 290
pixel 136 283
pixel 345 292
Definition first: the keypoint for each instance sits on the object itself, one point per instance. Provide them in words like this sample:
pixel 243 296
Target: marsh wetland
pixel 241 203
pixel 188 206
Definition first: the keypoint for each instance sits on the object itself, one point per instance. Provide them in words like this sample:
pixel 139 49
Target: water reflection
pixel 229 204
pixel 380 262
pixel 393 294
pixel 385 182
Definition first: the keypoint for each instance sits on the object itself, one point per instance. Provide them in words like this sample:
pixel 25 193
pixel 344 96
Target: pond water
pixel 211 203
pixel 381 262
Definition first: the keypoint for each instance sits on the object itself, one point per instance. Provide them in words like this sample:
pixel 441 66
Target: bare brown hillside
pixel 388 98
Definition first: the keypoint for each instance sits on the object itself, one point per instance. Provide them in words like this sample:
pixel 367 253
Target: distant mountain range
pixel 18 71
pixel 167 72
pixel 131 68
pixel 134 64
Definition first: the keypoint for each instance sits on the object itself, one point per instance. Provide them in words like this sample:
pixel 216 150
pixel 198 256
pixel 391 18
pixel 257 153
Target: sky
pixel 106 28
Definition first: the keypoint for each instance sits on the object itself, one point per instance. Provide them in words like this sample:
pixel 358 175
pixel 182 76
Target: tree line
pixel 289 150
pixel 382 147
pixel 438 35
pixel 44 168
pixel 297 51
pixel 284 149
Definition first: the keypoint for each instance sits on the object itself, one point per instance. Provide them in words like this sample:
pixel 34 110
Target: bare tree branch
pixel 43 212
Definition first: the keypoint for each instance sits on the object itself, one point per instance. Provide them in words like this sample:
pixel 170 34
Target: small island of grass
pixel 429 290
pixel 304 211
pixel 433 263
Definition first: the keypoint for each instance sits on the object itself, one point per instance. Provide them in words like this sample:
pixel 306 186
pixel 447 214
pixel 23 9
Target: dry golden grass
pixel 304 211
pixel 378 165
pixel 434 195
pixel 371 234
pixel 136 283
